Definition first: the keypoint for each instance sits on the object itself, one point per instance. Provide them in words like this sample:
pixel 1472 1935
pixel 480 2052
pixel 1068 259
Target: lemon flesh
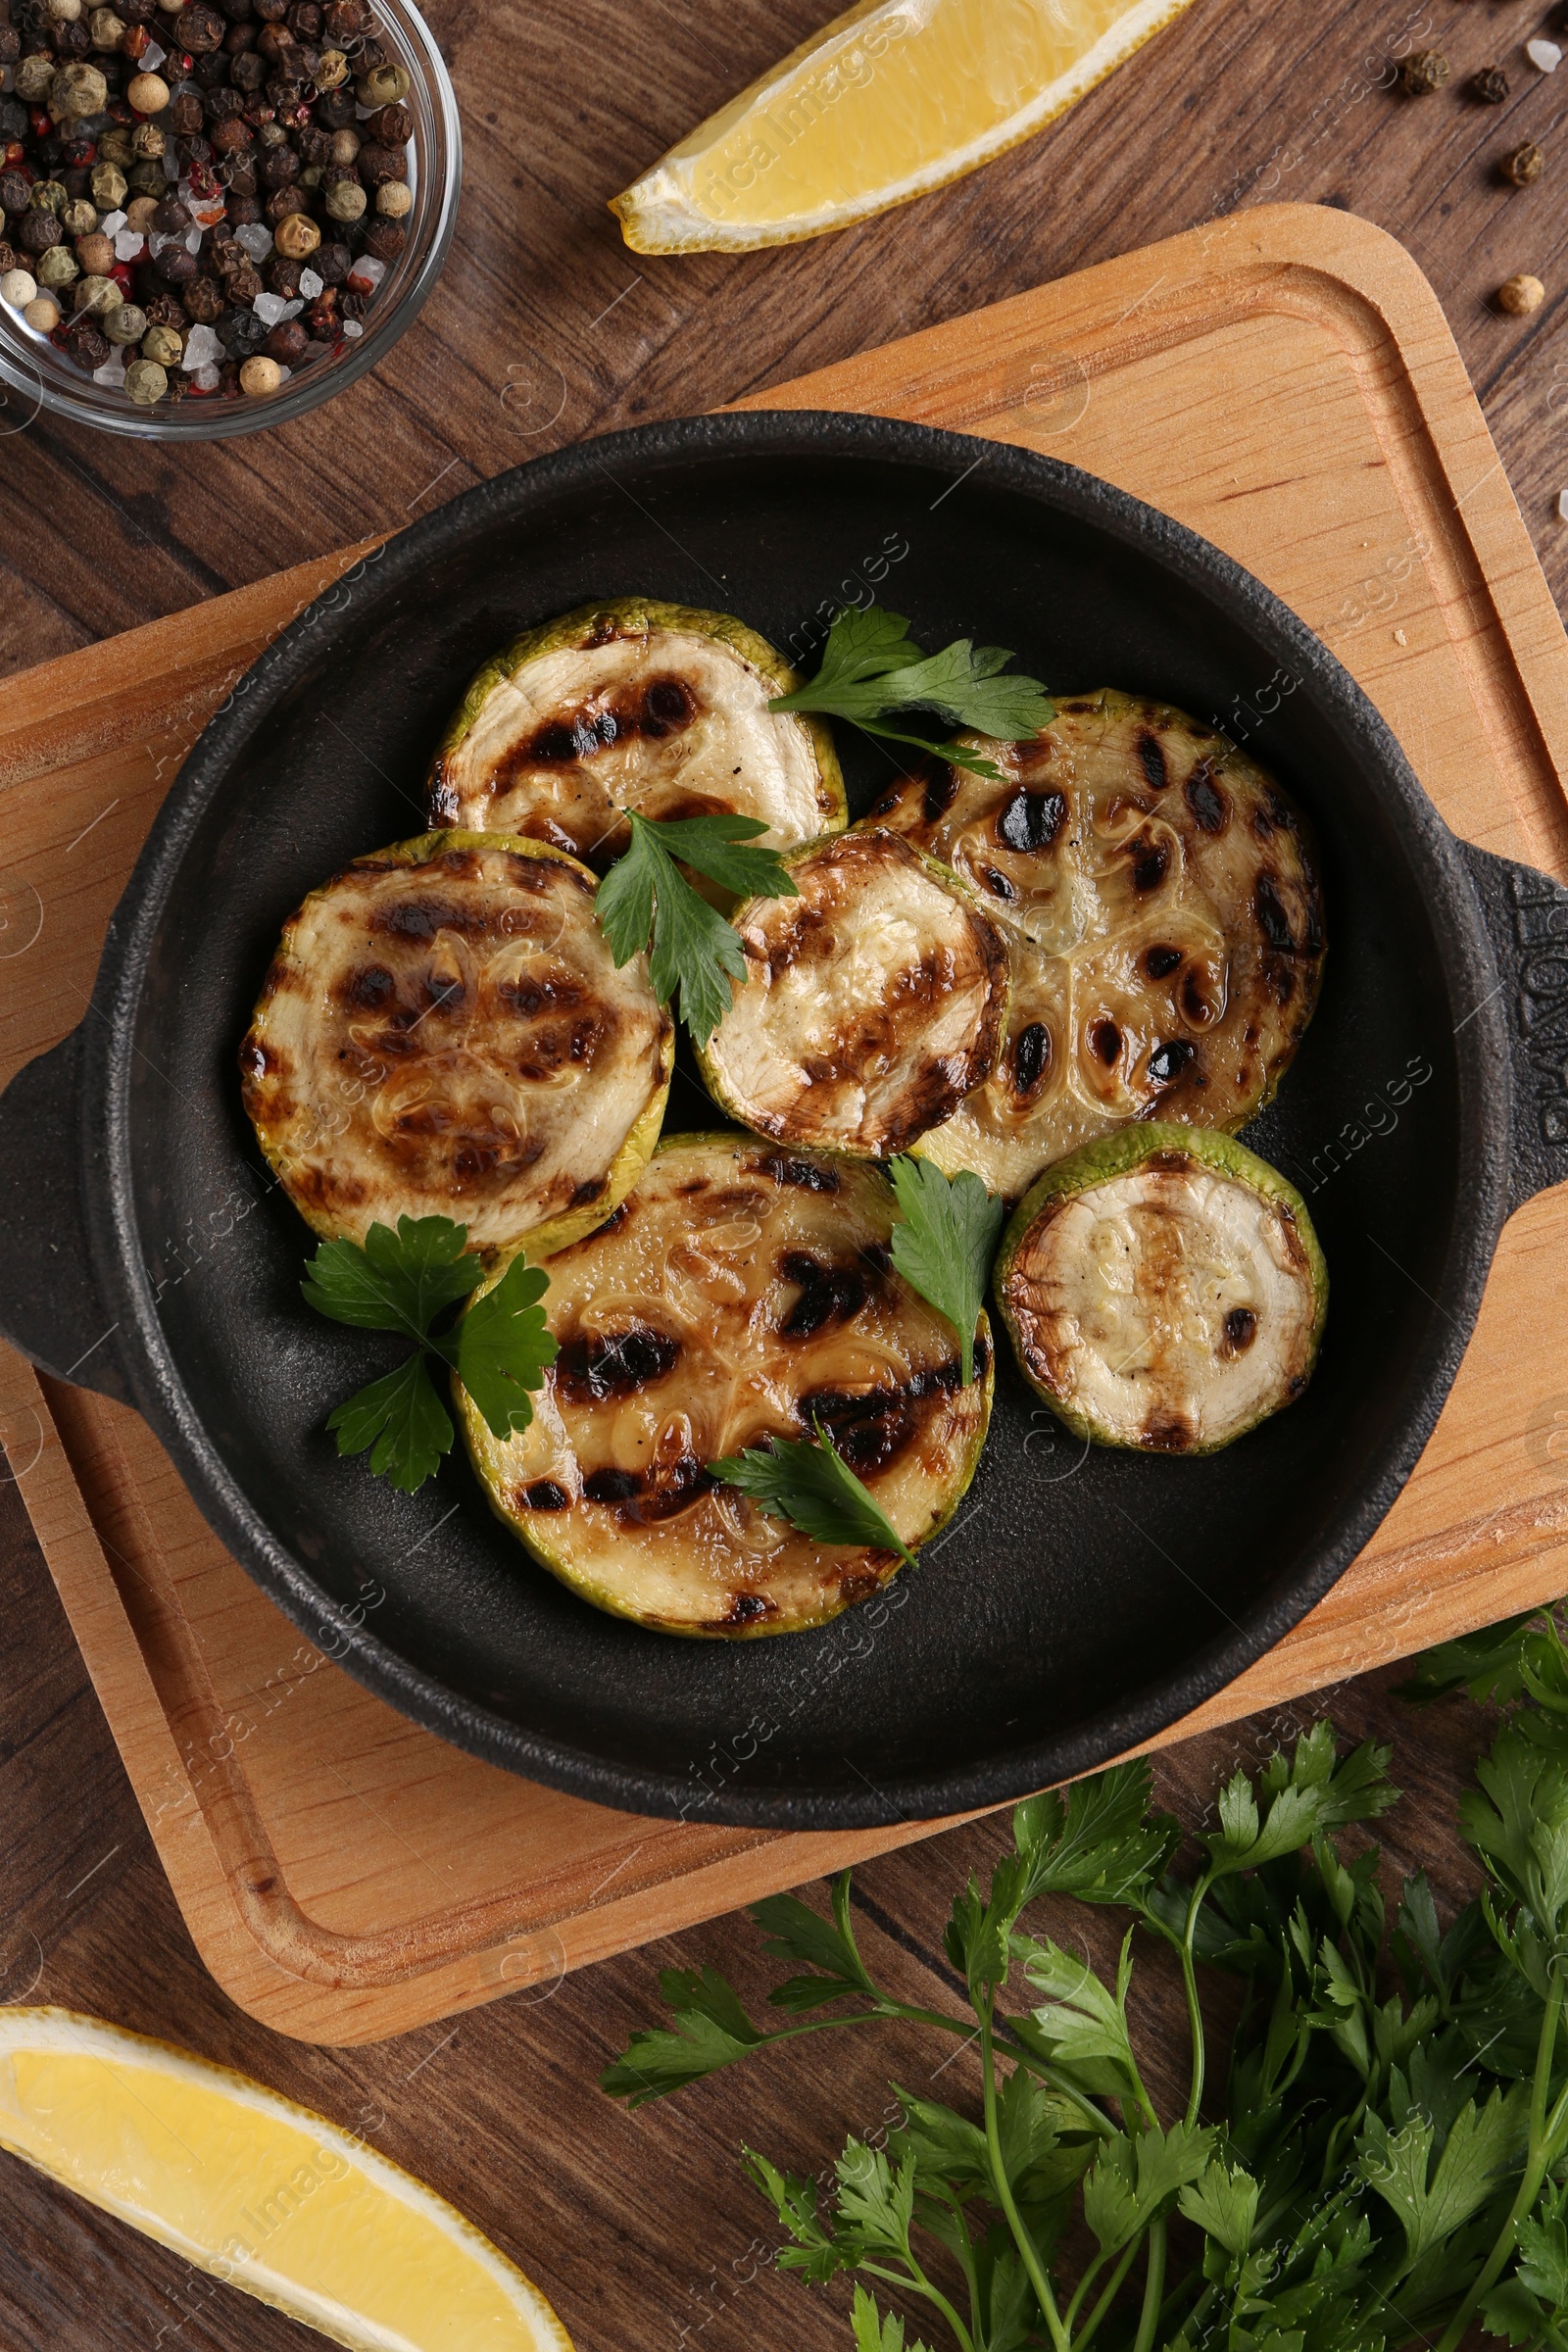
pixel 893 99
pixel 253 2189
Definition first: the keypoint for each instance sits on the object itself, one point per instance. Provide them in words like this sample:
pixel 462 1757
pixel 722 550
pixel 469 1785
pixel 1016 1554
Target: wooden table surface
pixel 544 329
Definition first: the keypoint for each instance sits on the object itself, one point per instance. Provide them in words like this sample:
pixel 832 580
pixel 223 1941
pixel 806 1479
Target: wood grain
pixel 635 2225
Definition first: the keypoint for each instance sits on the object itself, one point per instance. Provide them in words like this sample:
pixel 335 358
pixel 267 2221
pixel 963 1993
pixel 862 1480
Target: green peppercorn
pixel 148 179
pixel 33 78
pixel 160 343
pixel 79 217
pixel 108 188
pixel 1525 165
pixel 48 196
pixel 345 200
pixel 385 86
pixel 1425 71
pixel 147 141
pixel 1490 85
pixel 77 89
pixel 95 295
pixel 146 382
pixel 56 267
pixel 125 322
pixel 331 69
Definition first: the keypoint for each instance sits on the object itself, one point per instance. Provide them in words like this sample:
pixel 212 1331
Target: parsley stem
pixel 915 2280
pixel 1543 2135
pixel 1111 2289
pixel 1194 2013
pixel 1153 2287
pixel 1028 2251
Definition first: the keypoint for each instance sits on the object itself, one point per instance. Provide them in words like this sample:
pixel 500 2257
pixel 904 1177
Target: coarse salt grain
pixel 310 286
pixel 269 308
pixel 256 240
pixel 1544 54
pixel 205 377
pixel 129 245
pixel 151 58
pixel 113 371
pixel 352 327
pixel 193 239
pixel 111 224
pixel 366 274
pixel 201 349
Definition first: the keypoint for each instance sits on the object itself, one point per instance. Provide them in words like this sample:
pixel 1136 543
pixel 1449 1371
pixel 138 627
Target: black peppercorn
pixel 240 332
pixel 336 109
pixel 392 126
pixel 209 71
pixel 137 12
pixel 240 175
pixel 333 261
pixel 201 28
pixel 236 11
pixel 239 39
pixel 1425 71
pixel 71 42
pixel 352 305
pixel 163 308
pixel 9 44
pixel 15 190
pixel 245 284
pixel 305 21
pixel 272 12
pixel 286 343
pixel 203 299
pixel 243 210
pixel 314 146
pixel 385 239
pixel 284 201
pixel 280 165
pixel 86 343
pixel 248 71
pixel 283 276
pixel 1490 85
pixel 37 231
pixel 374 166
pixel 13 118
pixel 183 115
pixel 223 102
pixel 178 385
pixel 372 53
pixel 171 216
pixel 277 45
pixel 175 265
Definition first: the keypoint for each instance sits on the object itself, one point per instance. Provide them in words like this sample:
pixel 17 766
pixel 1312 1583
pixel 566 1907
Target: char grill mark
pixel 1241 1329
pixel 368 988
pixel 829 1293
pixel 1150 861
pixel 872 1427
pixel 1169 1061
pixel 941 790
pixel 804 1174
pixel 642 1498
pixel 1106 1037
pixel 1031 820
pixel 747 1608
pixel 997 884
pixel 1167 1433
pixel 660 708
pixel 1160 963
pixel 1151 760
pixel 1272 920
pixel 592 1369
pixel 1208 804
pixel 543 1495
pixel 1031 1058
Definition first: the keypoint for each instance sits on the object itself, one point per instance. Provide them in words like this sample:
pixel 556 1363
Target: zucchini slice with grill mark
pixel 1160 899
pixel 738 1292
pixel 1165 1290
pixel 634 705
pixel 442 1032
pixel 873 1001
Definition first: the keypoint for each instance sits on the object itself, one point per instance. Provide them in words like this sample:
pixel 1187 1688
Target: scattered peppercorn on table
pixel 543 330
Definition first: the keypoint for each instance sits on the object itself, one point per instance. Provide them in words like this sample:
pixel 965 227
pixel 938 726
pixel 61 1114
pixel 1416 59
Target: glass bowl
pixel 36 377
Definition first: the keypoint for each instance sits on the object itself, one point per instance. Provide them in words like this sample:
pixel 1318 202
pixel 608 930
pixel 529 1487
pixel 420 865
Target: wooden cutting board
pixel 1285 382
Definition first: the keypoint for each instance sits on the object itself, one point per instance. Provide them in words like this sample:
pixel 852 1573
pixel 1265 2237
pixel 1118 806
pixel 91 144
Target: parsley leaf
pixel 401 1422
pixel 695 952
pixel 945 1242
pixel 503 1345
pixel 813 1488
pixel 402 1282
pixel 871 667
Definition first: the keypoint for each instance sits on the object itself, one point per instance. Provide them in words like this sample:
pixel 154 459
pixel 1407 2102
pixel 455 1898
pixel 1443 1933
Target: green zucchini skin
pixel 507 761
pixel 1158 1170
pixel 873 1003
pixel 691 1326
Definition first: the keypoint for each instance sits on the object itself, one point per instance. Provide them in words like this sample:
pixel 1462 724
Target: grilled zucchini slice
pixel 873 1003
pixel 1165 1290
pixel 442 1032
pixel 634 705
pixel 739 1292
pixel 1161 900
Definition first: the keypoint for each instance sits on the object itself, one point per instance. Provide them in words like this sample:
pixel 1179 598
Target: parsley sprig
pixel 944 1243
pixel 405 1282
pixel 694 951
pixel 1385 2162
pixel 872 667
pixel 810 1484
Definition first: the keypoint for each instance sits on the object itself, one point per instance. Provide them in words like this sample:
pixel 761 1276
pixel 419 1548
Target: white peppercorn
pixel 1521 294
pixel 17 288
pixel 261 375
pixel 107 29
pixel 146 382
pixel 394 198
pixel 65 12
pixel 345 146
pixel 345 200
pixel 148 93
pixel 42 314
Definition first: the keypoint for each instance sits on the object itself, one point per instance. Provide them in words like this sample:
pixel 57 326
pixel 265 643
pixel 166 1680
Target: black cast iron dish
pixel 1083 1599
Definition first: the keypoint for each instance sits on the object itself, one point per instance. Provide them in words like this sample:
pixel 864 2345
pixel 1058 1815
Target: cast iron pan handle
pixel 1527 915
pixel 49 1302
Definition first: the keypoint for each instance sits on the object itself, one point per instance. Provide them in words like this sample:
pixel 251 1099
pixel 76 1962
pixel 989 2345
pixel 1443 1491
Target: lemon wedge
pixel 893 99
pixel 256 2191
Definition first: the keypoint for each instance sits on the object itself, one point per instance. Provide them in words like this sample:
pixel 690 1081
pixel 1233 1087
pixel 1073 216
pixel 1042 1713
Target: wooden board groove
pixel 1284 381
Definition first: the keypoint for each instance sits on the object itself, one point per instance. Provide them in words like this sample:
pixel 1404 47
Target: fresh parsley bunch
pixel 1386 2160
pixel 645 899
pixel 406 1282
pixel 871 667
